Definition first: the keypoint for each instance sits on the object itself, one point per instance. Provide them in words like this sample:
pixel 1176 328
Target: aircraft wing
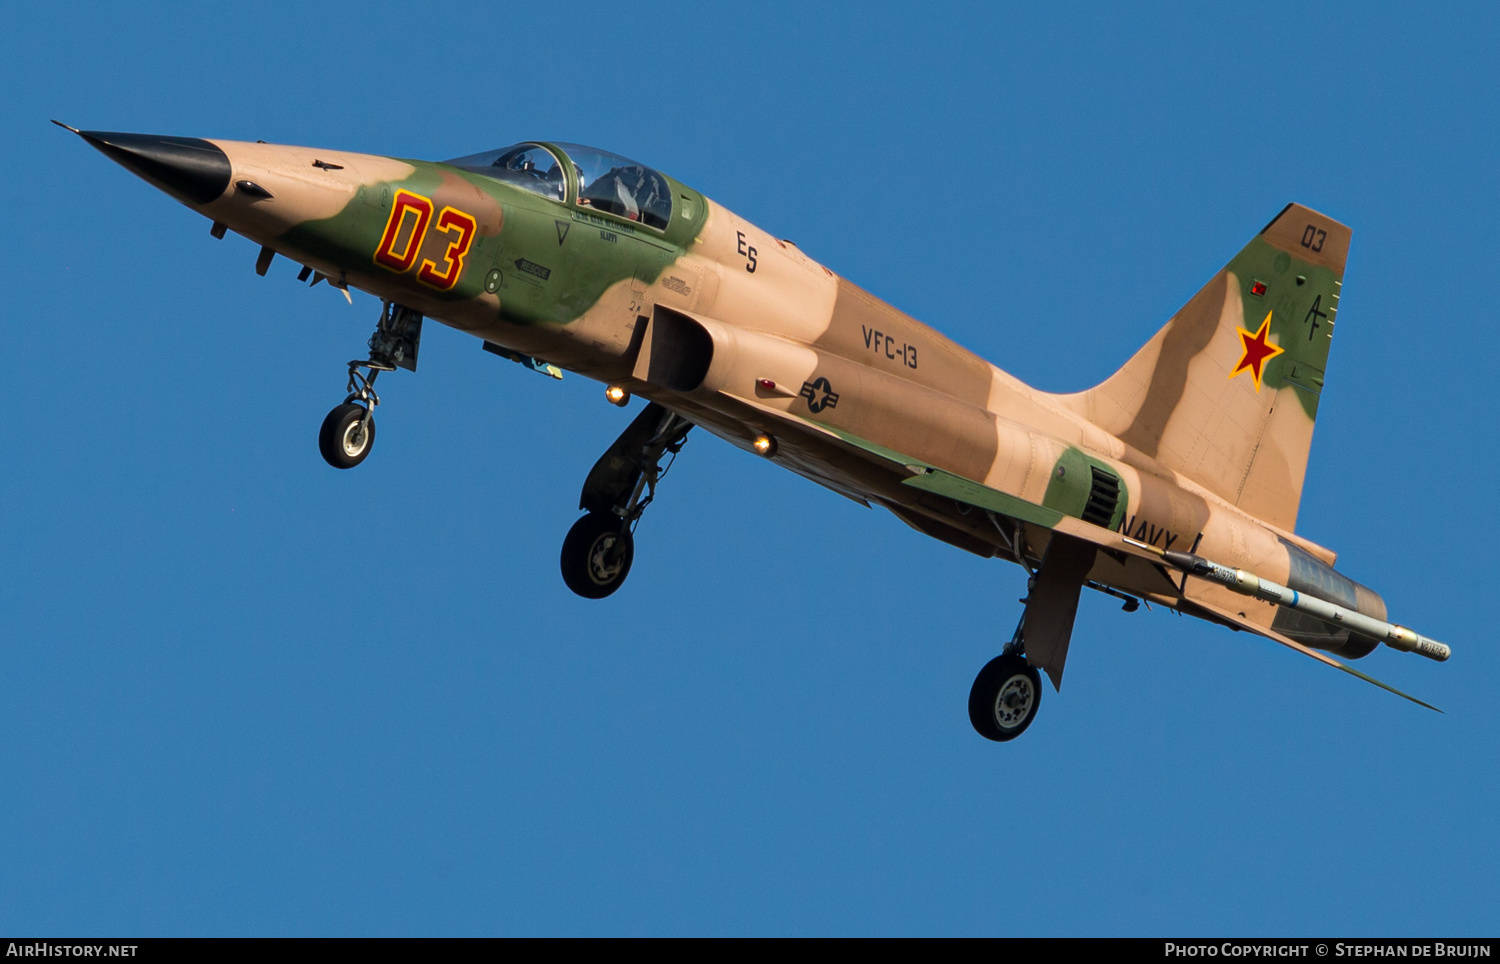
pixel 1225 616
pixel 935 480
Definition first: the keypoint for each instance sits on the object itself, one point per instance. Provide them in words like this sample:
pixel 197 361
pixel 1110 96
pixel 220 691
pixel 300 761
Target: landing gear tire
pixel 596 555
pixel 1006 696
pixel 347 435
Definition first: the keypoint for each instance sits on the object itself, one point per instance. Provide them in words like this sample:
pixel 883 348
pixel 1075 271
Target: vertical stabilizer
pixel 1228 391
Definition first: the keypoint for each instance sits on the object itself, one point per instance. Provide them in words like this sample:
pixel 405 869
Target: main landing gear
pixel 348 432
pixel 1007 693
pixel 598 550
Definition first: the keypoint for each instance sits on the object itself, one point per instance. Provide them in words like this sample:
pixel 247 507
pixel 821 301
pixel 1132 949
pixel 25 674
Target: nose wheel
pixel 347 435
pixel 348 432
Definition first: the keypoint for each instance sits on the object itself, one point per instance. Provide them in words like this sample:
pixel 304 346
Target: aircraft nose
pixel 189 167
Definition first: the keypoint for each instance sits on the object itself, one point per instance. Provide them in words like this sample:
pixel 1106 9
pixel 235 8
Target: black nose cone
pixel 186 166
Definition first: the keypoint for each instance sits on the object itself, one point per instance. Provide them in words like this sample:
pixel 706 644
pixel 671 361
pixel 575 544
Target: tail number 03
pixel 406 233
pixel 1313 237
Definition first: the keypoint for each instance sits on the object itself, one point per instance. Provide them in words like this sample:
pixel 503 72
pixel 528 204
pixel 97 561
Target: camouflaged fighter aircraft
pixel 1174 482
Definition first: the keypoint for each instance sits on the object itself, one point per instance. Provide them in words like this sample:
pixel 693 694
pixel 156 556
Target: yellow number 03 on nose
pixel 407 228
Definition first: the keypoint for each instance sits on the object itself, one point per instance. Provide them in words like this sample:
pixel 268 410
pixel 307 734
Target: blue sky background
pixel 243 693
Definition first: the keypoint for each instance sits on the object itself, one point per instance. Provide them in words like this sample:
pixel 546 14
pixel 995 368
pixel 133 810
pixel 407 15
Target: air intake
pixel 1104 497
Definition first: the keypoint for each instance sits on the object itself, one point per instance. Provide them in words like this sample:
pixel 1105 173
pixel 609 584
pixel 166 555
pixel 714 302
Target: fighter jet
pixel 1175 482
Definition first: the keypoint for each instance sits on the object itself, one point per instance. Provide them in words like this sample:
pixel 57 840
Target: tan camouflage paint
pixel 1208 462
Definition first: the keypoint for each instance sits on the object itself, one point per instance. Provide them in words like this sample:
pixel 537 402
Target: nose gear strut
pixel 348 432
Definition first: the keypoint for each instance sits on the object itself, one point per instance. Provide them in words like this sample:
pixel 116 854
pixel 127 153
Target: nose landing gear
pixel 348 432
pixel 597 553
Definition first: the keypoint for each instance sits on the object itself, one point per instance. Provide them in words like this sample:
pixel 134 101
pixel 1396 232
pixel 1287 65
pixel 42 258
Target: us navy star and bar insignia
pixel 819 395
pixel 1257 351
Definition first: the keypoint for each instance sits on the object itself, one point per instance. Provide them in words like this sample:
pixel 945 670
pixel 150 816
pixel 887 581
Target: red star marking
pixel 1257 351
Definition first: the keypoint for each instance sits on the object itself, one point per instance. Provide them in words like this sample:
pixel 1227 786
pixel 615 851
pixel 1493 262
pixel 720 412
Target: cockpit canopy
pixel 530 167
pixel 606 182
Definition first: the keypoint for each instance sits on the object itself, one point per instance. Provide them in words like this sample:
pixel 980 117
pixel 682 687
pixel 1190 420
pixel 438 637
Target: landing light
pixel 764 445
pixel 616 395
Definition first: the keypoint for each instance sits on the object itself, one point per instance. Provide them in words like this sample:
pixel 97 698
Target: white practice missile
pixel 1249 584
